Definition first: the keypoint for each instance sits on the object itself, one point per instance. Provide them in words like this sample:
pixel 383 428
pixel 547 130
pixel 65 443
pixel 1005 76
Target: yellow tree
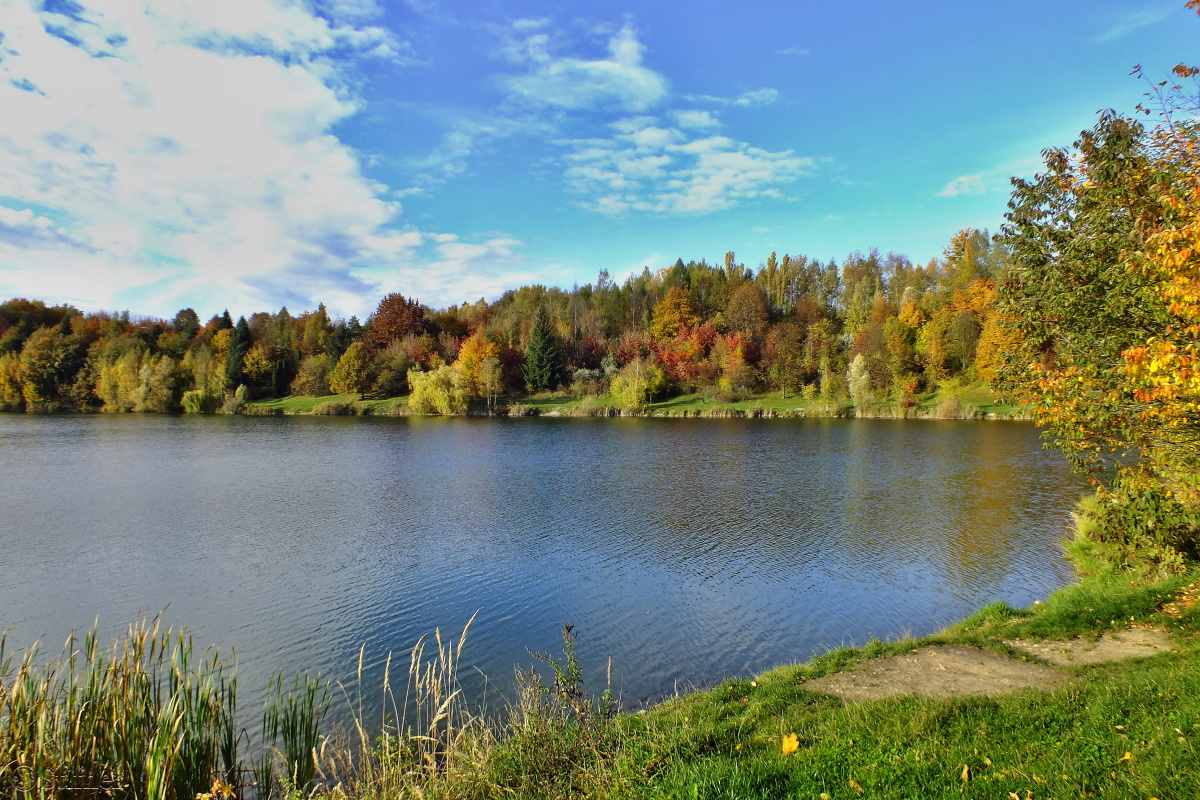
pixel 1164 372
pixel 476 359
pixel 674 313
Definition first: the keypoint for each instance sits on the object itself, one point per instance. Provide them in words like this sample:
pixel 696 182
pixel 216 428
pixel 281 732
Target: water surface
pixel 687 550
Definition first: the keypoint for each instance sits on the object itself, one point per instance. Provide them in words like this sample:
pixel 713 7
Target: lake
pixel 687 550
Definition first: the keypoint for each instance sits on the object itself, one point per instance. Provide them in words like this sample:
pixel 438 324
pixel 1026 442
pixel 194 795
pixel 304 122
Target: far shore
pixel 973 403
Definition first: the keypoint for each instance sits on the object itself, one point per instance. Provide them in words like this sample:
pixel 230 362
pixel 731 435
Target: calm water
pixel 687 550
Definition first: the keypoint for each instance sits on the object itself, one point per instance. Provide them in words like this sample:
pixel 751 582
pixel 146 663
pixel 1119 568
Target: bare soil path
pixel 956 670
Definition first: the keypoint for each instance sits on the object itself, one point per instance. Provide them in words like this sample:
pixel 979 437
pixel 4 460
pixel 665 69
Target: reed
pixel 148 718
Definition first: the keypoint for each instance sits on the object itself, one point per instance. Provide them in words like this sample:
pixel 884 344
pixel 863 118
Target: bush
pixel 1144 523
pixel 335 408
pixel 589 381
pixel 437 391
pixel 198 401
pixel 638 383
pixel 234 402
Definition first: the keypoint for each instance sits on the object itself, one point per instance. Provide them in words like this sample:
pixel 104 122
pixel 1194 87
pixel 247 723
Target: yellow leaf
pixel 1127 757
pixel 966 773
pixel 856 786
pixel 789 744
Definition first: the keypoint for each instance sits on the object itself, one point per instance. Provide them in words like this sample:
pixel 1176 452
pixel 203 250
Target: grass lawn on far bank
pixel 309 404
pixel 967 402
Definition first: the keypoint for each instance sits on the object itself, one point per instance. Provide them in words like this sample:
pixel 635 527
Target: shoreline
pixel 769 407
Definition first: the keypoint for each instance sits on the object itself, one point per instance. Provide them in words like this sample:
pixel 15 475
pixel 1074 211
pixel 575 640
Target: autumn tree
pixel 395 317
pixel 49 361
pixel 1102 296
pixel 747 310
pixel 672 314
pixel 477 358
pixel 352 375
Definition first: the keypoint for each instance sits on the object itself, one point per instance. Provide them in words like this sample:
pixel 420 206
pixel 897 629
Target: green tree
pixel 186 323
pixel 239 343
pixel 11 397
pixel 543 355
pixel 352 375
pixel 49 361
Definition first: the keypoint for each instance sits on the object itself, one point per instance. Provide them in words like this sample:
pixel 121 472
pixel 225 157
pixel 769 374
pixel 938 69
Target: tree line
pixel 875 325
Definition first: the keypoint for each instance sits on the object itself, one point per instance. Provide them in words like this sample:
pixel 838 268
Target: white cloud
pixel 752 99
pixel 618 81
pixel 793 51
pixel 696 120
pixel 648 168
pixel 964 185
pixel 167 152
pixel 1133 20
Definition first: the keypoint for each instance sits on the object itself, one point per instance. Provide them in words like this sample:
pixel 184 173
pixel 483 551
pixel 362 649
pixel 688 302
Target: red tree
pixel 395 318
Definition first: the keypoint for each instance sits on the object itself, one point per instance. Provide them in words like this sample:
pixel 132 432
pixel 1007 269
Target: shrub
pixel 335 408
pixel 858 379
pixel 1144 523
pixel 436 391
pixel 588 382
pixel 198 401
pixel 638 383
pixel 234 402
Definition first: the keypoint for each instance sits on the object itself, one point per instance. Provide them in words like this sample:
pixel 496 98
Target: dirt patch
pixel 1115 646
pixel 937 671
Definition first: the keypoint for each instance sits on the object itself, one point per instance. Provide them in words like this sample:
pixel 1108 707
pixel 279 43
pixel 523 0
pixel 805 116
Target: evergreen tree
pixel 239 342
pixel 543 355
pixel 226 321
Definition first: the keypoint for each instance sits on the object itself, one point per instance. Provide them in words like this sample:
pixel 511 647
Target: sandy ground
pixel 955 670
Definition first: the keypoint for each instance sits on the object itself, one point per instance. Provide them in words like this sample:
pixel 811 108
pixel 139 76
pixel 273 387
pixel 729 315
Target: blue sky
pixel 256 153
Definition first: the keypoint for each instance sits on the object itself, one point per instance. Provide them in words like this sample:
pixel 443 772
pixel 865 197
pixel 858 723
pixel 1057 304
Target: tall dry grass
pixel 147 718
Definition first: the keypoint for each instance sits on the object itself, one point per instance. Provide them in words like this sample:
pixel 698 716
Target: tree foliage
pixel 543 355
pixel 352 375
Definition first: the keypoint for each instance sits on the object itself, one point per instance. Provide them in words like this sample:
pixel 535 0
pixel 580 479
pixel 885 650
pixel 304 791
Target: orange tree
pixel 1102 302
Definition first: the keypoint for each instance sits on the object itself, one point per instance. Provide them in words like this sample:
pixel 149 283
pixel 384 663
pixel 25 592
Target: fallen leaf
pixel 966 773
pixel 856 786
pixel 1127 757
pixel 789 744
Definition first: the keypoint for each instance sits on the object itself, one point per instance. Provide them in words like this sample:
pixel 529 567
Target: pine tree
pixel 238 344
pixel 543 356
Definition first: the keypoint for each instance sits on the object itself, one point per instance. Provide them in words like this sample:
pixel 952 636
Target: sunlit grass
pixel 147 718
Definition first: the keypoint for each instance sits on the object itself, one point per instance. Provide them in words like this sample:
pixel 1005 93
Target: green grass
pixel 974 398
pixel 1069 742
pixel 307 404
pixel 1122 730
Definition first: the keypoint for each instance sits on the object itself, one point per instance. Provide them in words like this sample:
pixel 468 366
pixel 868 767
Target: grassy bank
pixel 149 719
pixel 969 402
